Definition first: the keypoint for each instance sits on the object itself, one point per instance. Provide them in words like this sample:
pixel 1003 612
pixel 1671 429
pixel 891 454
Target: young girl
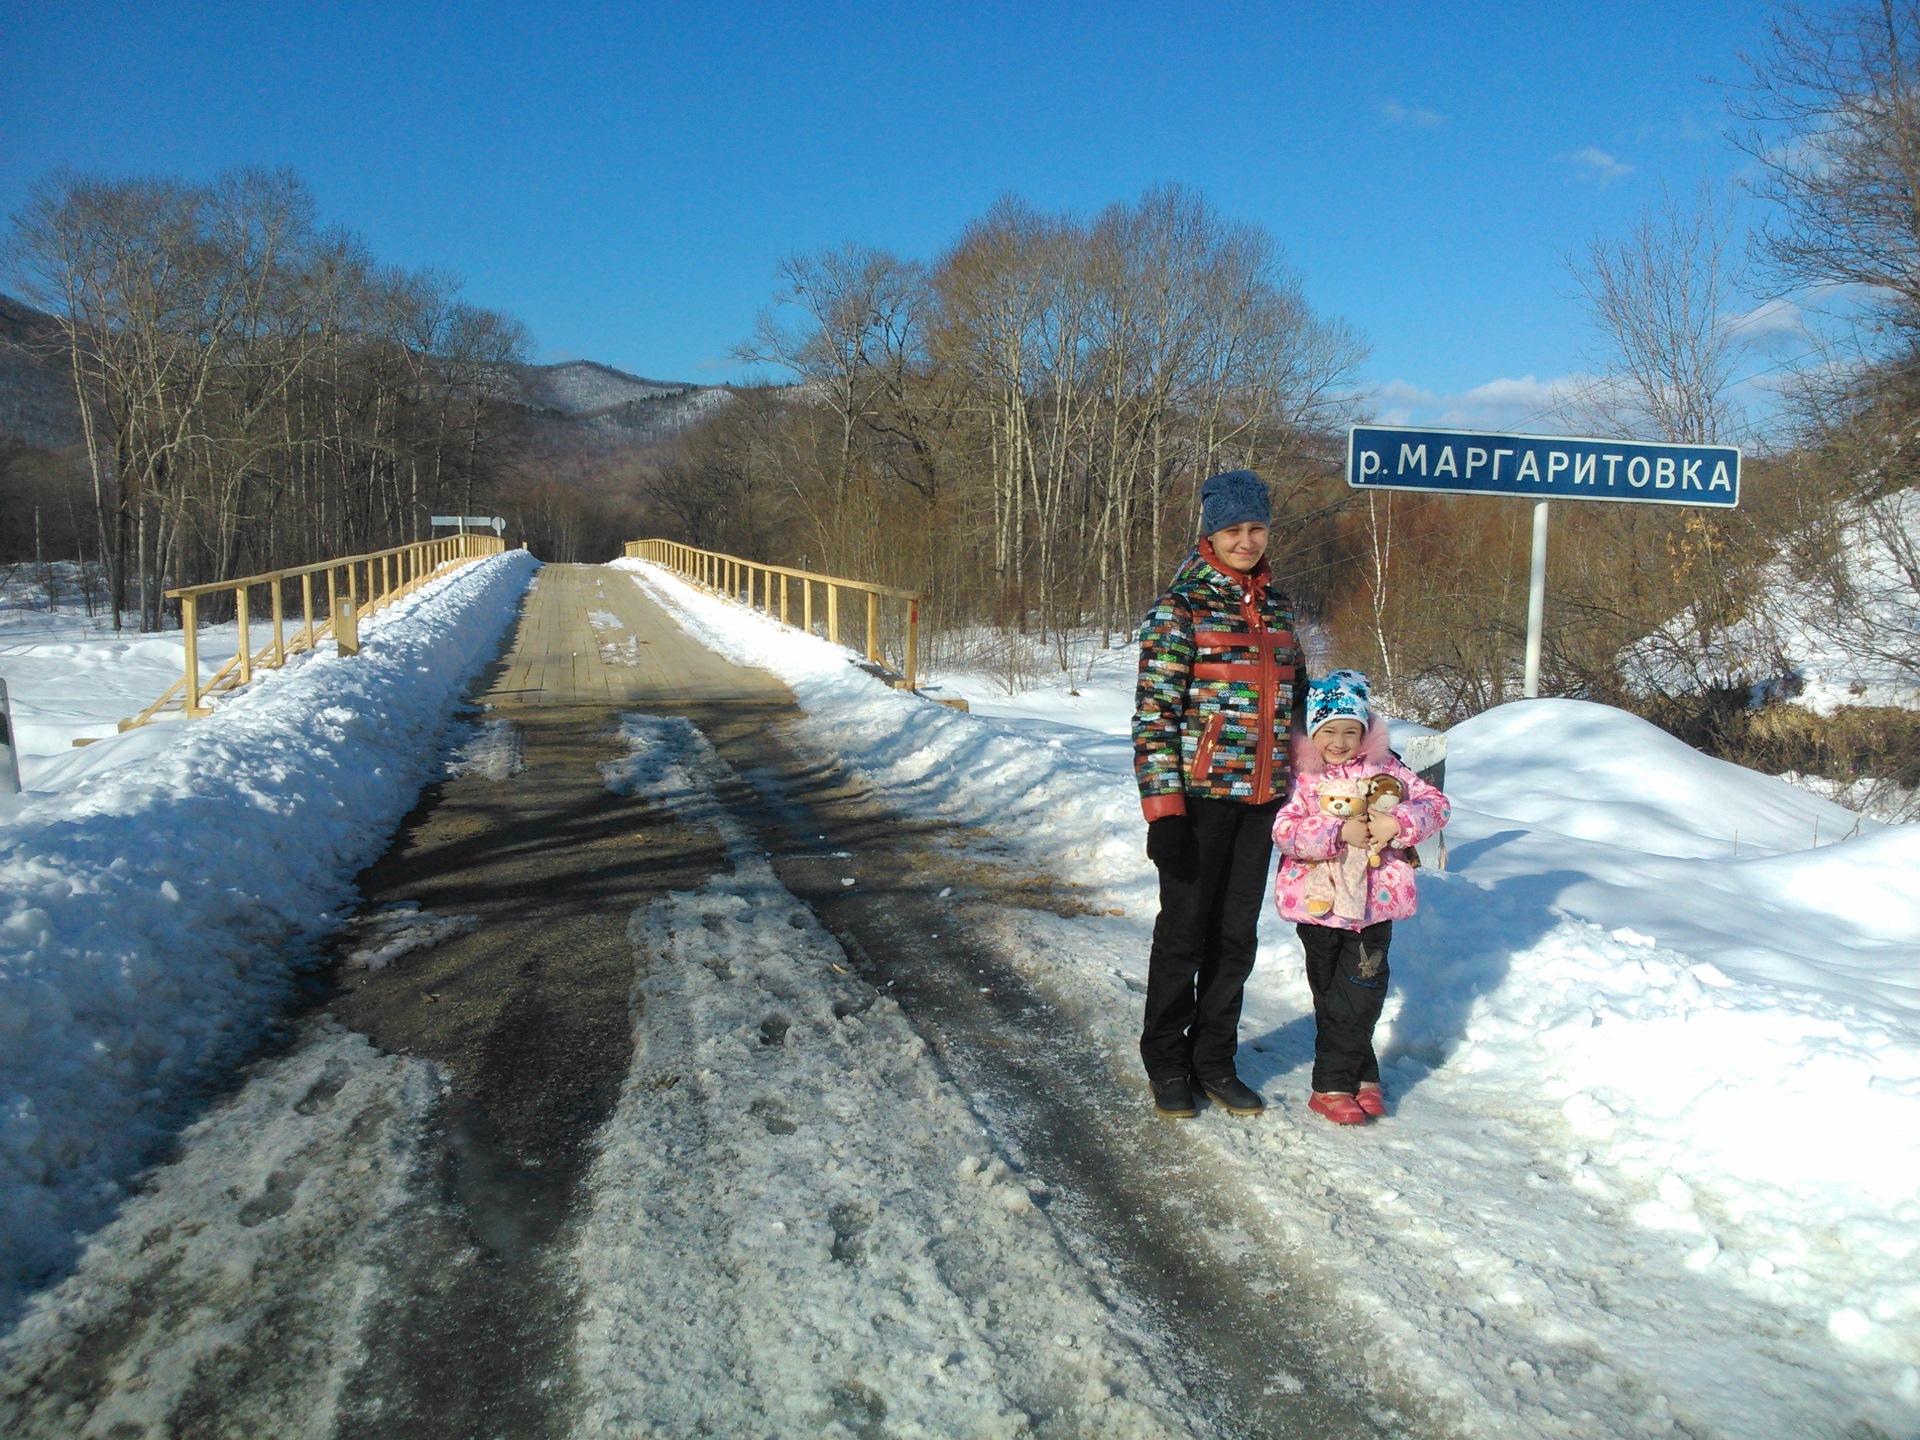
pixel 1347 952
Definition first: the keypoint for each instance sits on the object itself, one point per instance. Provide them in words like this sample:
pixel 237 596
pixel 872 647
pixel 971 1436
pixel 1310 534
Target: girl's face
pixel 1338 741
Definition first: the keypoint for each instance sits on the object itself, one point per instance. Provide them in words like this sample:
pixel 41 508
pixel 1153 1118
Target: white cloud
pixel 1596 164
pixel 1394 113
pixel 1510 403
pixel 1769 319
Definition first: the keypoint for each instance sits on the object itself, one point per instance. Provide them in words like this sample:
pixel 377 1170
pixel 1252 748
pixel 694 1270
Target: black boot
pixel 1231 1094
pixel 1173 1096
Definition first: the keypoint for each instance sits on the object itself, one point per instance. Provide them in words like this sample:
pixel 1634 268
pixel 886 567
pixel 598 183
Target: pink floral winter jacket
pixel 1304 835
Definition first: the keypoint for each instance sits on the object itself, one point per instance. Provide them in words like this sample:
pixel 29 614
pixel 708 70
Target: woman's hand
pixel 1382 830
pixel 1354 831
pixel 1171 846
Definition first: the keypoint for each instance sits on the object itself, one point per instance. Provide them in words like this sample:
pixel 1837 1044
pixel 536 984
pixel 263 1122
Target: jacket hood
pixel 1203 567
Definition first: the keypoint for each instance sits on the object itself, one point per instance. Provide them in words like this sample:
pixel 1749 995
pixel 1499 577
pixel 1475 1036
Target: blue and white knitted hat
pixel 1343 695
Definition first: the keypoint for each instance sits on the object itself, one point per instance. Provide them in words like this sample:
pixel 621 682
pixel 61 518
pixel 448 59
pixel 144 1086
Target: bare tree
pixel 1658 300
pixel 1832 114
pixel 253 390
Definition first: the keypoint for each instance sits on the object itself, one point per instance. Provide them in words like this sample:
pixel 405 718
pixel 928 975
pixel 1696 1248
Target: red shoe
pixel 1372 1099
pixel 1338 1108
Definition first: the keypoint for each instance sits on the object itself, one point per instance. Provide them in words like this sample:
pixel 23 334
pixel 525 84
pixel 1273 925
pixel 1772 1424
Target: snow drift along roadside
pixel 152 914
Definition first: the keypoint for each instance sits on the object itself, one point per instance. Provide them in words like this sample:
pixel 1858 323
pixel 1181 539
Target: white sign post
pixel 1541 468
pixel 470 522
pixel 9 752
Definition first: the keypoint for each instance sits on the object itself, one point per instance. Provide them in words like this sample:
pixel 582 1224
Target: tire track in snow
pixel 797 1226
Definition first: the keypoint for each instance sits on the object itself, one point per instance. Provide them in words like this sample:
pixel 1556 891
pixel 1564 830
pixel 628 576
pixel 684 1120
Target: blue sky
pixel 624 177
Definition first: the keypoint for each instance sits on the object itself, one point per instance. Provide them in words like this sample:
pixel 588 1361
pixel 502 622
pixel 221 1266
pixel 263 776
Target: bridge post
pixel 246 645
pixel 913 642
pixel 190 633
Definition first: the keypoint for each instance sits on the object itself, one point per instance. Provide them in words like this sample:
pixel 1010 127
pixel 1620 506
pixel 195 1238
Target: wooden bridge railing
pixel 744 580
pixel 356 587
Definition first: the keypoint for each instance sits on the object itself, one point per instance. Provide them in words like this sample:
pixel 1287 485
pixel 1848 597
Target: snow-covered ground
pixel 70 676
pixel 159 888
pixel 1654 1050
pixel 1801 639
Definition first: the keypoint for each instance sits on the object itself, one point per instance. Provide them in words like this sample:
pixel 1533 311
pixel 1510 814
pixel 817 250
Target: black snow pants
pixel 1203 942
pixel 1347 972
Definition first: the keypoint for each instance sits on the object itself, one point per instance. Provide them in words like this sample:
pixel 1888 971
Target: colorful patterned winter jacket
pixel 1304 836
pixel 1221 677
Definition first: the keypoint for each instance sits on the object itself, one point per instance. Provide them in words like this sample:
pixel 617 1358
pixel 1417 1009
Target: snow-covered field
pixel 158 889
pixel 1654 1051
pixel 70 676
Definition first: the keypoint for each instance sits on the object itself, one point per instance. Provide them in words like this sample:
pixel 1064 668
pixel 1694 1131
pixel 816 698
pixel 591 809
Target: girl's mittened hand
pixel 1354 831
pixel 1383 830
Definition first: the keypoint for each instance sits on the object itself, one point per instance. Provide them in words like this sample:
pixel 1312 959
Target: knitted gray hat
pixel 1233 498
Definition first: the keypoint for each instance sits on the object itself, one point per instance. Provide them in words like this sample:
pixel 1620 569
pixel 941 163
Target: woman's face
pixel 1240 547
pixel 1338 741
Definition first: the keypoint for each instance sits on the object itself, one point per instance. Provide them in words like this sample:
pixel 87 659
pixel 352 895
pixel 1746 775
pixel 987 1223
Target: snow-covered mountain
pixel 36 401
pixel 612 405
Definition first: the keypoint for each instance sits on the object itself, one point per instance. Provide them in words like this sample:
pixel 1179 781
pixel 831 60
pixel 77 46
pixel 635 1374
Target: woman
pixel 1221 676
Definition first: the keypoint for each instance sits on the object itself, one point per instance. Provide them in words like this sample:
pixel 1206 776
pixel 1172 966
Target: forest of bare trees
pixel 252 388
pixel 1016 426
pixel 1019 425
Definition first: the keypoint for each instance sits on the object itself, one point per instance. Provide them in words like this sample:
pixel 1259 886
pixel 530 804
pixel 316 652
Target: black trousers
pixel 1347 972
pixel 1203 942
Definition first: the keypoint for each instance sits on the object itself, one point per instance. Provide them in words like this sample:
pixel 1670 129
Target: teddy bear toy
pixel 1339 885
pixel 1384 792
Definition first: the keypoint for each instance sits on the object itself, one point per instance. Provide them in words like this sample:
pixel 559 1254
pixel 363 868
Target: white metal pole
pixel 1536 600
pixel 9 752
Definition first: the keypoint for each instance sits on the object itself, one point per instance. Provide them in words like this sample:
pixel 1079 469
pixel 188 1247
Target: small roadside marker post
pixel 346 625
pixel 1541 468
pixel 9 752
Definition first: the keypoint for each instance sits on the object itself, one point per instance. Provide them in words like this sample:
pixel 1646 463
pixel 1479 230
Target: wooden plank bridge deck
pixel 590 636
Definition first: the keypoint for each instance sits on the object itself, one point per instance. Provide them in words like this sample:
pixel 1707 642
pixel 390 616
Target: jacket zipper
pixel 1203 752
pixel 1269 705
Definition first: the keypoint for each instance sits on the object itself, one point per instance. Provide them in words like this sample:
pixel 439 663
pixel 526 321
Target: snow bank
pixel 153 908
pixel 1643 1001
pixel 1049 800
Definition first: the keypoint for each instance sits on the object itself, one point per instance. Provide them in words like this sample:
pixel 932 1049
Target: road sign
pixel 1541 467
pixel 471 522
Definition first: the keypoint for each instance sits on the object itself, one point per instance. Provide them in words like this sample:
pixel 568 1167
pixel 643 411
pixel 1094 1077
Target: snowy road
pixel 695 1104
pixel 708 1064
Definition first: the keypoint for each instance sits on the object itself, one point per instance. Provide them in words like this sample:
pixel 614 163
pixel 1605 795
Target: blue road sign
pixel 1541 467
